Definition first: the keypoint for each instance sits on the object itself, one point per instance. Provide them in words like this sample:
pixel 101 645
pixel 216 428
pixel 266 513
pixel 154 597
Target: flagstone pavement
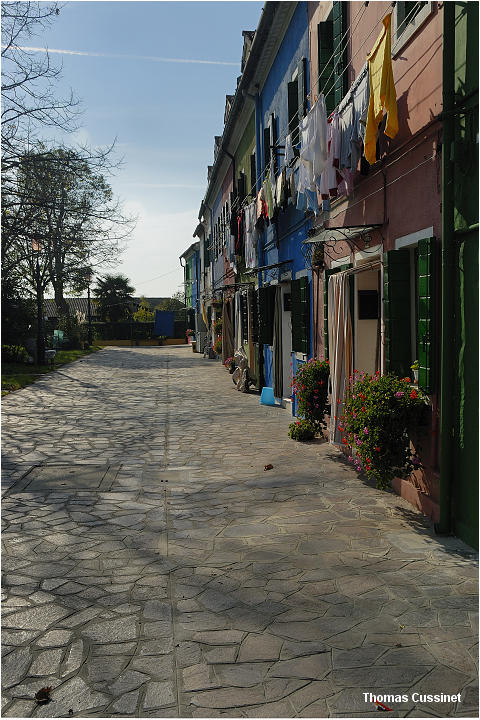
pixel 153 568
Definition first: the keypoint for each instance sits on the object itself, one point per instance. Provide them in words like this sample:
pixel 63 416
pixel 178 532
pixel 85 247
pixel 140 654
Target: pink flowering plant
pixel 379 413
pixel 310 387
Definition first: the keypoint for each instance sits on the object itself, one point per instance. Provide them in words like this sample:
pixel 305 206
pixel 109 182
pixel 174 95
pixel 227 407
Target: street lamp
pixel 88 278
pixel 36 249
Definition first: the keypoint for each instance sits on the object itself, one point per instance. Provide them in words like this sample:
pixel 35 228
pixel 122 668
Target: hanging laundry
pixel 329 180
pixel 382 90
pixel 261 211
pixel 268 195
pixel 239 244
pixel 289 153
pixel 250 235
pixel 352 113
pixel 313 146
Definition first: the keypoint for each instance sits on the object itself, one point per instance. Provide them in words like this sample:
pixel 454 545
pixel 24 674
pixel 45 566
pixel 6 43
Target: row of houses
pixel 340 218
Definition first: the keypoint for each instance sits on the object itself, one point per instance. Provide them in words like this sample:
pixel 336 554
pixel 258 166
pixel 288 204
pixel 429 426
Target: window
pixel 325 62
pixel 409 294
pixel 407 18
pixel 300 299
pixel 266 305
pixel 242 186
pixel 253 175
pixel 297 100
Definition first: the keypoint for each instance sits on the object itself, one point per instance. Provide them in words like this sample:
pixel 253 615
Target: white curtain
pixel 340 346
pixel 238 321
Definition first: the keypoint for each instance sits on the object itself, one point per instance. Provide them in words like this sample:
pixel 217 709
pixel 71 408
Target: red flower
pixel 413 395
pixel 377 449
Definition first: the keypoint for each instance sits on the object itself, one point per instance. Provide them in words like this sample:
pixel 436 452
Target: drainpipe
pixel 448 262
pixel 259 169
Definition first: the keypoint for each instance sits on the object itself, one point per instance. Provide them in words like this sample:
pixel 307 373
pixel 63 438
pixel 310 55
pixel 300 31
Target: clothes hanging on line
pixel 382 90
pixel 251 236
pixel 352 113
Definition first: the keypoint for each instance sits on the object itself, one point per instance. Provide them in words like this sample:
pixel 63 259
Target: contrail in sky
pixel 151 58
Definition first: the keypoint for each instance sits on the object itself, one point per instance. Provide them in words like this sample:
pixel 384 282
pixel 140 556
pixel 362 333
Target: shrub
pixel 14 354
pixel 379 413
pixel 217 325
pixel 218 346
pixel 301 430
pixel 310 386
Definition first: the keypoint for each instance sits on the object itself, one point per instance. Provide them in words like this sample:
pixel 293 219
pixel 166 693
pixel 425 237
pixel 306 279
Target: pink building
pixel 384 235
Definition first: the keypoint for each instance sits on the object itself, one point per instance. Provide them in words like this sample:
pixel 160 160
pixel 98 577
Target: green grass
pixel 16 375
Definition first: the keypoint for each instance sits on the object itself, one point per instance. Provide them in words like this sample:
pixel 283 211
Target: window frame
pixel 400 40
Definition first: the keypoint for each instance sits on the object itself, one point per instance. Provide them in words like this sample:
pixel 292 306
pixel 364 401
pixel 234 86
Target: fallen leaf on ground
pixel 268 467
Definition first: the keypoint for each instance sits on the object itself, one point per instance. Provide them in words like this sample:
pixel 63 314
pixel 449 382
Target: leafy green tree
pixel 176 302
pixel 114 297
pixel 144 314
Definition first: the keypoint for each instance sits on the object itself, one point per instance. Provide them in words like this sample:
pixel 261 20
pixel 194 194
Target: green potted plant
pixel 217 346
pixel 217 326
pixel 414 368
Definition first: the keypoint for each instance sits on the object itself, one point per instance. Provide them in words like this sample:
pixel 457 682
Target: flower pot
pixel 415 376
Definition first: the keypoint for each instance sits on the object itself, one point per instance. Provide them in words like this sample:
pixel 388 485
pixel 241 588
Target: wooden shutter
pixel 266 305
pixel 397 311
pixel 339 29
pixel 325 63
pixel 242 186
pixel 244 314
pixel 266 146
pixel 301 315
pixel 253 176
pixel 254 315
pixel 293 111
pixel 302 80
pixel 273 142
pixel 425 276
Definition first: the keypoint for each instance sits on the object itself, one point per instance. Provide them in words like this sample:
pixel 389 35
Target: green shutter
pixel 302 89
pixel 300 290
pixel 266 146
pixel 339 59
pixel 397 312
pixel 293 110
pixel 425 318
pixel 266 305
pixel 325 62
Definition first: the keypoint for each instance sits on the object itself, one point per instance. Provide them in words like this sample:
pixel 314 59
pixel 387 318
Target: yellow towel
pixel 382 90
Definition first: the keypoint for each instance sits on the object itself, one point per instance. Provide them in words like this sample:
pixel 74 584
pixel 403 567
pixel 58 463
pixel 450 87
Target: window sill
pixel 398 43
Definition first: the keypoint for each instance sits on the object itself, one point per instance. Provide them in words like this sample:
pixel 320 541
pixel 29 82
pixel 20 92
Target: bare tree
pixel 29 101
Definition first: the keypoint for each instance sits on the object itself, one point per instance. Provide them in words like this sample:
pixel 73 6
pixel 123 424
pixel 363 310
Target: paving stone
pixel 160 666
pixel 38 618
pixel 46 662
pixel 114 649
pixel 111 630
pixel 54 638
pixel 128 680
pixel 73 695
pixel 222 637
pixel 313 667
pixel 126 704
pixel 15 665
pixel 259 647
pixel 159 694
pixel 222 654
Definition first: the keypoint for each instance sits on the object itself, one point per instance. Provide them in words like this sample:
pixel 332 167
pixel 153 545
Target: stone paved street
pixel 153 568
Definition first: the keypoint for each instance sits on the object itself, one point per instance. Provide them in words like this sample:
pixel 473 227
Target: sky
pixel 164 114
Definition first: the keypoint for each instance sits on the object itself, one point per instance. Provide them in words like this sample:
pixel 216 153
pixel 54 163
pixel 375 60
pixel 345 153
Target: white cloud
pixel 150 58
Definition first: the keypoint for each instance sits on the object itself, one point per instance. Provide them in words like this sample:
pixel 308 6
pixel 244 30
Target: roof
pixel 81 305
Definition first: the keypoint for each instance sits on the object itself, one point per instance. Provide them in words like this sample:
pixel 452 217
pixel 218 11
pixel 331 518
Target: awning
pixel 316 235
pixel 267 267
